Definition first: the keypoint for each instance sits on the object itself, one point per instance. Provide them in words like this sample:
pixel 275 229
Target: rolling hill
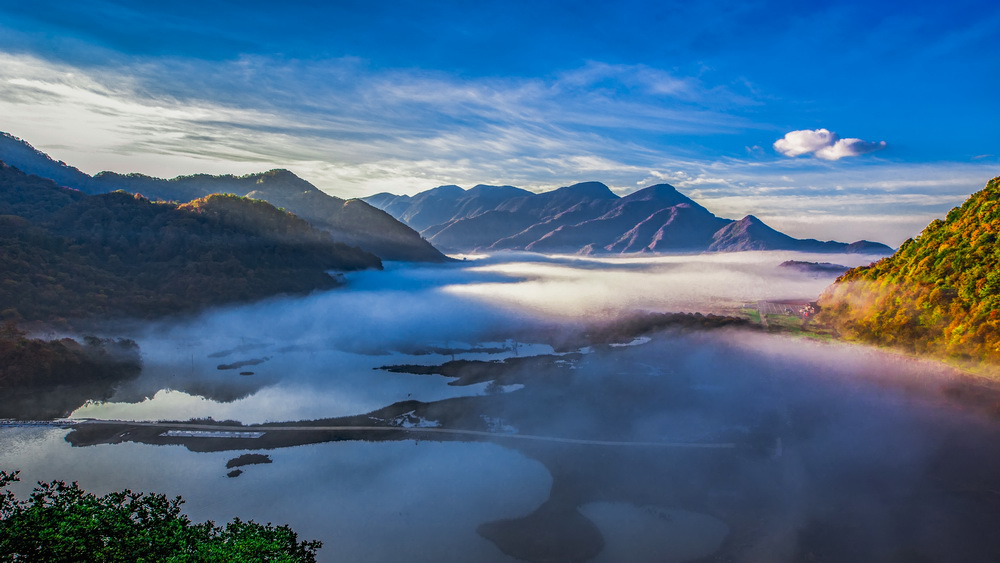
pixel 938 294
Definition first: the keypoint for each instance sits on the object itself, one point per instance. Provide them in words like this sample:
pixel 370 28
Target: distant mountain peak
pixel 279 179
pixel 750 233
pixel 593 190
pixel 8 139
pixel 479 187
pixel 277 173
pixel 447 189
pixel 868 247
pixel 662 194
pixel 752 220
pixel 589 217
pixel 486 189
pixel 655 191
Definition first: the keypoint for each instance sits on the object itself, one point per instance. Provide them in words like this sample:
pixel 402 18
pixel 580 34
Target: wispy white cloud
pixel 824 144
pixel 355 131
pixel 349 128
pixel 815 199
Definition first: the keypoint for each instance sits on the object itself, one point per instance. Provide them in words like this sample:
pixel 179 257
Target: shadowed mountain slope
pixel 587 218
pixel 352 222
pixel 750 233
pixel 68 255
pixel 445 203
pixel 26 158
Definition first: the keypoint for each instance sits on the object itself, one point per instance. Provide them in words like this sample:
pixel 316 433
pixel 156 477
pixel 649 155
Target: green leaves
pixel 62 522
pixel 947 280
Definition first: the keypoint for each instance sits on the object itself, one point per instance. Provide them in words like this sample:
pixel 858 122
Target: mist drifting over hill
pixel 795 433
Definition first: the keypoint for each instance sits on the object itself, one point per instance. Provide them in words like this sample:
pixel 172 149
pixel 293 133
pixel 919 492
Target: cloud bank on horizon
pixel 360 99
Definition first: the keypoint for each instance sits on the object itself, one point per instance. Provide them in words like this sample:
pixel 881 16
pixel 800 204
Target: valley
pixel 499 282
pixel 592 444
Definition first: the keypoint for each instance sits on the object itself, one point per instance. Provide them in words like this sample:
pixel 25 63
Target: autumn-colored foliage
pixel 27 362
pixel 65 255
pixel 51 378
pixel 938 294
pixel 349 221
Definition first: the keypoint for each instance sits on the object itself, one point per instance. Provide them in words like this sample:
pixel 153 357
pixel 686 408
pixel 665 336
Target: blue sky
pixel 884 114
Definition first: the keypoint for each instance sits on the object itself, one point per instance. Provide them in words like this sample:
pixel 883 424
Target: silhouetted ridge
pixel 20 154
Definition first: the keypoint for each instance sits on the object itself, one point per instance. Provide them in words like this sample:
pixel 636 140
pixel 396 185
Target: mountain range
pixel 588 218
pixel 351 221
pixel 583 218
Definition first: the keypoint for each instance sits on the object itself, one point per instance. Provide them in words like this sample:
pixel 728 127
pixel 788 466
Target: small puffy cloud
pixel 849 147
pixel 805 141
pixel 824 144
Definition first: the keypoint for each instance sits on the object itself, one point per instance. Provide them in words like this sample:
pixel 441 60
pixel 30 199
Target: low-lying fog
pixel 314 355
pixel 819 451
pixel 581 287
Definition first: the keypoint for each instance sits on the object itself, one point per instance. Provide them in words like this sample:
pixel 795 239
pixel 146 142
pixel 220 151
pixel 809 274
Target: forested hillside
pixel 66 255
pixel 352 222
pixel 939 293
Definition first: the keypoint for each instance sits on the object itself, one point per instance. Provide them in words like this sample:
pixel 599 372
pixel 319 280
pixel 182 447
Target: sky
pixel 840 120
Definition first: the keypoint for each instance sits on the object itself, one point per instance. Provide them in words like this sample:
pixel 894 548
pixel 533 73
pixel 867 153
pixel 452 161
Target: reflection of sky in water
pixel 408 501
pixel 294 385
pixel 389 501
pixel 319 351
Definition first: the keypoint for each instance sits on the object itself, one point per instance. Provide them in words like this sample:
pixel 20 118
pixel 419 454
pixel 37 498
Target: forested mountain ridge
pixel 938 294
pixel 67 255
pixel 587 218
pixel 20 154
pixel 352 222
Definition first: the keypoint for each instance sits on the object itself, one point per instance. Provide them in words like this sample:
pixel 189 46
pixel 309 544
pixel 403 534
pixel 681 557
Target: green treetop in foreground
pixel 61 522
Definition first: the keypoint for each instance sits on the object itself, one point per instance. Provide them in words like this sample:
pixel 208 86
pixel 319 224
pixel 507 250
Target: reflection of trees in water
pixel 51 378
pixel 867 470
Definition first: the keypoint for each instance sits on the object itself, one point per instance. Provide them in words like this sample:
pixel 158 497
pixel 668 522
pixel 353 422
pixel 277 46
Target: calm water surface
pixel 837 450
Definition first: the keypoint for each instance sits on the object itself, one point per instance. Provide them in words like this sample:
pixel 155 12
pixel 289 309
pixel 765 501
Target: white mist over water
pixel 316 354
pixel 854 419
pixel 581 287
